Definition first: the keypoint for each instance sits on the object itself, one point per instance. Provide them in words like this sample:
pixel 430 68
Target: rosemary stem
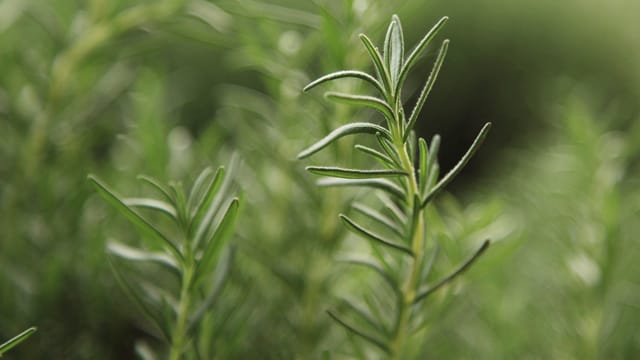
pixel 408 291
pixel 180 330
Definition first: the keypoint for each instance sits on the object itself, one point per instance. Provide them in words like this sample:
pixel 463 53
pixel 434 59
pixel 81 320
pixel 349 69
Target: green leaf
pixel 197 187
pixel 180 203
pixel 364 316
pixel 360 230
pixel 343 173
pixel 344 130
pixel 460 165
pixel 378 269
pixel 363 100
pixel 222 273
pixel 371 339
pixel 158 187
pixel 382 158
pixel 219 238
pixel 429 265
pixel 381 184
pixel 422 168
pixel 143 225
pixel 374 54
pixel 416 212
pixel 393 208
pixel 462 268
pixel 389 149
pixel 134 254
pixel 424 94
pixel 152 204
pixel 346 74
pixel 139 300
pixel 213 209
pixel 394 49
pixel 432 163
pixel 413 56
pixel 14 341
pixel 205 202
pixel 374 308
pixel 378 217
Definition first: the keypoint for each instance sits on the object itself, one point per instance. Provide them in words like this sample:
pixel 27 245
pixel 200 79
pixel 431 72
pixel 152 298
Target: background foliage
pixel 166 88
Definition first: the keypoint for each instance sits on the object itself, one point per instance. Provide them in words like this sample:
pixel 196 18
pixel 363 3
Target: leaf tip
pixel 302 154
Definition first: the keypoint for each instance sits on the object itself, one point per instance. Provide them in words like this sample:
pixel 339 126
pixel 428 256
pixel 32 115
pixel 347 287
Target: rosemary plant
pixel 204 221
pixel 409 180
pixel 14 341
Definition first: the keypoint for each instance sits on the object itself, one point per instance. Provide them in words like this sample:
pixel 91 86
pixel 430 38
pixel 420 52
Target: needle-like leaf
pixel 377 342
pixel 381 184
pixel 363 100
pixel 152 204
pixel 424 94
pixel 460 165
pixel 344 130
pixel 346 74
pixel 222 273
pixel 429 290
pixel 413 56
pixel 422 165
pixel 207 198
pixel 377 62
pixel 415 216
pixel 197 188
pixel 219 237
pixel 364 315
pixel 382 158
pixel 14 341
pixel 343 173
pixel 426 270
pixel 139 300
pixel 388 148
pixel 363 232
pixel 134 254
pixel 156 185
pixel 378 217
pixel 394 49
pixel 378 269
pixel 143 225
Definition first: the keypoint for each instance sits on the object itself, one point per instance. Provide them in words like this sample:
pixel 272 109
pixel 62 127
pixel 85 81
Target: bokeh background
pixel 167 87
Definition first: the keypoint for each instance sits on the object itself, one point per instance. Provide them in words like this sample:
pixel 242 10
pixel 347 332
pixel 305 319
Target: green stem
pixel 408 290
pixel 179 335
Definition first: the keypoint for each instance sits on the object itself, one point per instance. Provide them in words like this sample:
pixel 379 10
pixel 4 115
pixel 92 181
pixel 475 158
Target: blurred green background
pixel 167 87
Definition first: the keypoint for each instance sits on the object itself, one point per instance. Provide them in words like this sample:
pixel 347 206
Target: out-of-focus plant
pixel 400 259
pixel 201 224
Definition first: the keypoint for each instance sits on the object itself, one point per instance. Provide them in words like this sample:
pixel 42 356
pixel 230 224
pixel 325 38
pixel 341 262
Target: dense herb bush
pixel 167 88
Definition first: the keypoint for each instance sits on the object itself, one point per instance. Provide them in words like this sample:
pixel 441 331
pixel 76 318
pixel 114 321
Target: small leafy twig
pixel 205 220
pixel 407 189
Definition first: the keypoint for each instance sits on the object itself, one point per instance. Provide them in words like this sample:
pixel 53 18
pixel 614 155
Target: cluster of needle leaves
pixel 408 179
pixel 194 254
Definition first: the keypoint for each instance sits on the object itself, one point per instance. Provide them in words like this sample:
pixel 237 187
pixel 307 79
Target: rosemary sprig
pixel 412 188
